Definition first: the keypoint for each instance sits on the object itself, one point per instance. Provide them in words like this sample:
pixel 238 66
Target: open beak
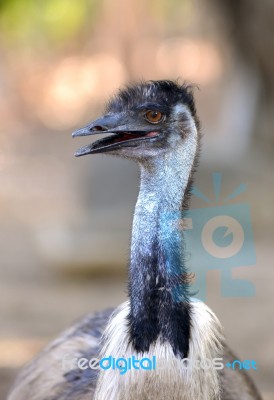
pixel 122 134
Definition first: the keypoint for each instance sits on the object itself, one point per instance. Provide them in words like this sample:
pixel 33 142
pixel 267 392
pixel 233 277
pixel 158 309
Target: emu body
pixel 155 125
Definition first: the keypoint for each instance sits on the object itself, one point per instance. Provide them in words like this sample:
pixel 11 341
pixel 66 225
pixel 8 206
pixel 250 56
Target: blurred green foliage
pixel 46 22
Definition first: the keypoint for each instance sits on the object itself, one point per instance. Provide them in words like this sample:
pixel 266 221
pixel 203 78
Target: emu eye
pixel 154 117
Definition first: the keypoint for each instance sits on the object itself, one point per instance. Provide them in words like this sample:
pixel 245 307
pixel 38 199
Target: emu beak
pixel 100 125
pixel 123 134
pixel 104 124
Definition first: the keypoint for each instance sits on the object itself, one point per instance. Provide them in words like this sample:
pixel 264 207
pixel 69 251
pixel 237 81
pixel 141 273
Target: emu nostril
pixel 98 128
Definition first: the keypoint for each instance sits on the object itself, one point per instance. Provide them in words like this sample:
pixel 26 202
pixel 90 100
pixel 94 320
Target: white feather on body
pixel 171 379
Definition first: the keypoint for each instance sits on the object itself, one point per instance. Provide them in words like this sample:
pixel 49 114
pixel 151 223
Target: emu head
pixel 144 121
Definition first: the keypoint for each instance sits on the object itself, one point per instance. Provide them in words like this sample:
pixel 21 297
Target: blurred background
pixel 65 222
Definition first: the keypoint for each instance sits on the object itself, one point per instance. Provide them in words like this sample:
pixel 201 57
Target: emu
pixel 155 124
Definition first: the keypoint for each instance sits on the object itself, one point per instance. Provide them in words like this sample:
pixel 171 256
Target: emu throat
pixel 158 287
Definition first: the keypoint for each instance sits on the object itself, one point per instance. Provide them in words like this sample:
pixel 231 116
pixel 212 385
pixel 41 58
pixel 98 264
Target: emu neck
pixel 158 286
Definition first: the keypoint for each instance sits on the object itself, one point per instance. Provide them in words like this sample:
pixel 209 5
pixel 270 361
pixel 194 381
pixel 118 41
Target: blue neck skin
pixel 158 287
